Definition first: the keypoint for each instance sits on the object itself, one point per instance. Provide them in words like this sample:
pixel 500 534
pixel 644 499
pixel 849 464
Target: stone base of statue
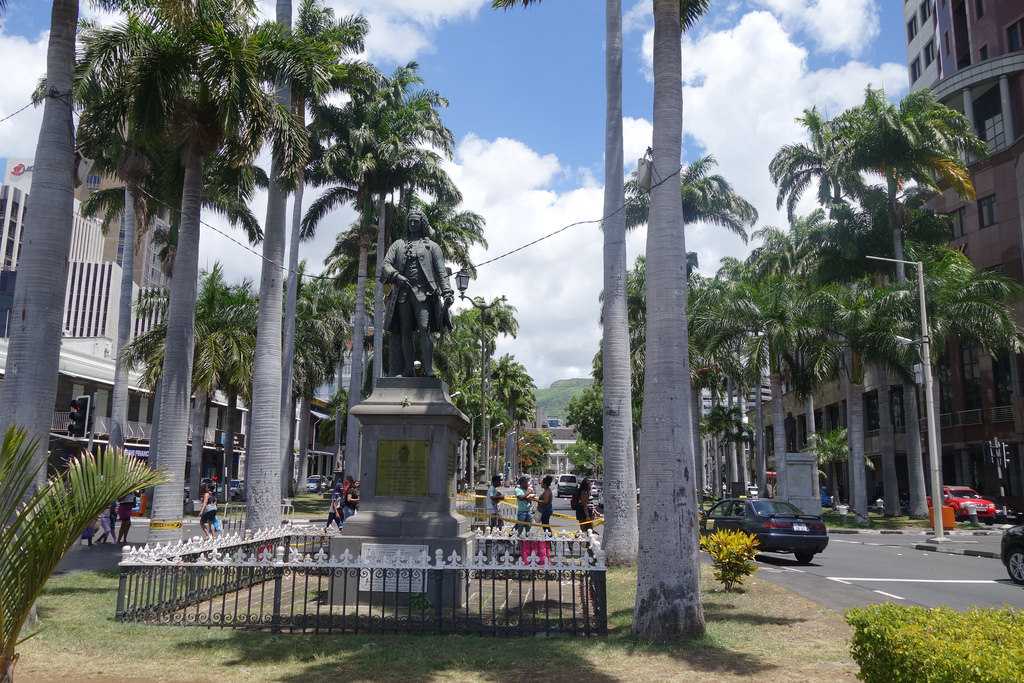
pixel 800 484
pixel 407 471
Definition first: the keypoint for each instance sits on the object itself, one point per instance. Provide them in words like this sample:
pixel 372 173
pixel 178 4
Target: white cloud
pixel 743 89
pixel 846 26
pixel 636 138
pixel 18 134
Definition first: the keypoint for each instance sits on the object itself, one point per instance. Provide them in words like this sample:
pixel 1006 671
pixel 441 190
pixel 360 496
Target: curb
pixel 969 552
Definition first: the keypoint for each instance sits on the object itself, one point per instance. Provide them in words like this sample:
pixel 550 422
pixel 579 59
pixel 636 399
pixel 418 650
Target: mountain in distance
pixel 553 399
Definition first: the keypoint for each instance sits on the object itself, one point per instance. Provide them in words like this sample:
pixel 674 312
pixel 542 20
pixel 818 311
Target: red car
pixel 957 497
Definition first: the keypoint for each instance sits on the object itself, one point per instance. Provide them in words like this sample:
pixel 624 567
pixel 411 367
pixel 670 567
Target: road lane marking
pixel 855 578
pixel 790 569
pixel 846 583
pixel 889 595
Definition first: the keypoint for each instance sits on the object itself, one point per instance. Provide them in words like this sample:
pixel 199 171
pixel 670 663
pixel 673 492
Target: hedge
pixel 914 644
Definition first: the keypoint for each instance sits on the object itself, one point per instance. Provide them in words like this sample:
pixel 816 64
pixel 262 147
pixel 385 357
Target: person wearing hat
pixel 418 304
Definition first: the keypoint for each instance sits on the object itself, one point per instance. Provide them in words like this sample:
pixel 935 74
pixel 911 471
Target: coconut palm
pixel 29 390
pixel 668 603
pixel 825 161
pixel 41 526
pixel 832 449
pixel 318 31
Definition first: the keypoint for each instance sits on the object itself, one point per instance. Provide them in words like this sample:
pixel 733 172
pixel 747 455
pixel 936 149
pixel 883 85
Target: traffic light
pixel 80 423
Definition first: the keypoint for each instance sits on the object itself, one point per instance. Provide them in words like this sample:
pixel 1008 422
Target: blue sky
pixel 526 91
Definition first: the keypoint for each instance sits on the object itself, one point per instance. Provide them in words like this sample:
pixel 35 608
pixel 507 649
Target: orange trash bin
pixel 948 517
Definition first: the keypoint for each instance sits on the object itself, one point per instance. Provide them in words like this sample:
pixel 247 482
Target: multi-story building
pixel 970 53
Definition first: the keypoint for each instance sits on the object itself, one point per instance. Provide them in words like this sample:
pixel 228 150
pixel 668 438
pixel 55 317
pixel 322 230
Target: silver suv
pixel 567 485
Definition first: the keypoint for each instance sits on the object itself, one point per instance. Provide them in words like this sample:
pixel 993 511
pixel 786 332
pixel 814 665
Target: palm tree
pixel 514 389
pixel 824 161
pixel 316 30
pixel 29 389
pixel 620 536
pixel 668 603
pixel 41 526
pixel 832 449
pixel 204 71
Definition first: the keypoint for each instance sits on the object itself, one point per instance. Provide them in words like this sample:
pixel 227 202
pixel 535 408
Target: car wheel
pixel 1015 565
pixel 804 557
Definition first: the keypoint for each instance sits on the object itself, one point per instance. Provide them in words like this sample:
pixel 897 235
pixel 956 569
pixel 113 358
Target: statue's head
pixel 418 225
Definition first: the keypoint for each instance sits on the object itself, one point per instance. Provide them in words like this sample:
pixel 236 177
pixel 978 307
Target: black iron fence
pixel 296 587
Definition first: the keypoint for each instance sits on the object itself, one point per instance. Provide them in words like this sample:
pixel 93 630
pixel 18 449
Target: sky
pixel 526 105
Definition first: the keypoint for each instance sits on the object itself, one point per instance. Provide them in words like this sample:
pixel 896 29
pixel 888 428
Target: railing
pixel 948 419
pixel 970 417
pixel 61 421
pixel 299 587
pixel 1002 414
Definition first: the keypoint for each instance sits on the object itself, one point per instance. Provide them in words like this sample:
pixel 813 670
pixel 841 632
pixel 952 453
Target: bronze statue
pixel 417 306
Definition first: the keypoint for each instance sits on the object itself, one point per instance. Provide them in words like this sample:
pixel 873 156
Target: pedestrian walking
pixel 351 500
pixel 546 505
pixel 107 526
pixel 124 514
pixel 335 514
pixel 208 512
pixel 494 497
pixel 524 505
pixel 580 503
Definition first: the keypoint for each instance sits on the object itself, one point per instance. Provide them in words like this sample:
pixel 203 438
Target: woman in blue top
pixel 524 504
pixel 545 506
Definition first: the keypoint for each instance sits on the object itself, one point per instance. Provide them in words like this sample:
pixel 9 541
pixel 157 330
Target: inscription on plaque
pixel 402 468
pixel 392 579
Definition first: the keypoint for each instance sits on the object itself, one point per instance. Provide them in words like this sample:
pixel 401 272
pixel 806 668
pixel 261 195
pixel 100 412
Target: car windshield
pixel 963 492
pixel 313 480
pixel 567 477
pixel 774 507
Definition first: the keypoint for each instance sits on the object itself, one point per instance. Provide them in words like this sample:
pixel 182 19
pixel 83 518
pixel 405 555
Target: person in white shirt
pixel 494 496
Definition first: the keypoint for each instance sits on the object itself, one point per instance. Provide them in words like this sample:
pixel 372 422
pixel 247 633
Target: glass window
pixel 979 8
pixel 956 219
pixel 896 408
pixel 929 53
pixel 871 410
pixel 911 29
pixel 1015 36
pixel 945 41
pixel 915 70
pixel 970 371
pixel 983 53
pixel 925 10
pixel 1002 376
pixel 945 386
pixel 987 211
pixel 774 507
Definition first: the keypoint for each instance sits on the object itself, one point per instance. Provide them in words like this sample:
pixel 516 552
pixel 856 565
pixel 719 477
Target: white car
pixel 314 483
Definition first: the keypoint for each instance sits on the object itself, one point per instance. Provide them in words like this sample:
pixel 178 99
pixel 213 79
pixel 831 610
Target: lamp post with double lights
pixel 462 282
pixel 934 455
pixel 996 452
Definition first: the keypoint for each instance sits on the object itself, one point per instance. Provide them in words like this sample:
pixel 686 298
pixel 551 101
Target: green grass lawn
pixel 765 633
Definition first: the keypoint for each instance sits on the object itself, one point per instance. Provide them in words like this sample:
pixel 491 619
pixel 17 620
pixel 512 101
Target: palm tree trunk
pixel 229 436
pixel 668 604
pixel 915 461
pixel 620 535
pixel 154 455
pixel 29 389
pixel 732 446
pixel 698 451
pixel 812 427
pixel 855 427
pixel 744 463
pixel 176 378
pixel 887 445
pixel 198 429
pixel 378 294
pixel 892 188
pixel 119 396
pixel 300 477
pixel 835 482
pixel 761 456
pixel 289 458
pixel 263 445
pixel 339 414
pixel 779 434
pixel 355 385
pixel 288 359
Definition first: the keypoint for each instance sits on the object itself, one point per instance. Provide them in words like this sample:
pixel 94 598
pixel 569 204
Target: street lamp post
pixel 462 282
pixel 997 455
pixel 934 456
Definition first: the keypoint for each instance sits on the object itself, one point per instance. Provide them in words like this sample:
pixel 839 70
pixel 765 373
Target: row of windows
pixel 986 216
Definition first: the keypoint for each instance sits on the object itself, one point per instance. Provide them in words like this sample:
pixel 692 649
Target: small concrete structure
pixel 801 486
pixel 407 470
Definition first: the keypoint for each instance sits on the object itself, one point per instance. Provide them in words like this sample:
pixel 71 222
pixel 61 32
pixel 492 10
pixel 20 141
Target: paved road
pixel 865 569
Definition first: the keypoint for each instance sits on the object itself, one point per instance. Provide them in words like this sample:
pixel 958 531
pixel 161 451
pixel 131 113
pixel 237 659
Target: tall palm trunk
pixel 378 293
pixel 733 445
pixel 355 385
pixel 887 446
pixel 761 457
pixel 339 414
pixel 288 359
pixel 263 489
pixel 698 451
pixel 855 429
pixel 915 461
pixel 229 438
pixel 300 476
pixel 668 603
pixel 778 434
pixel 176 378
pixel 198 428
pixel 29 389
pixel 811 423
pixel 289 458
pixel 744 464
pixel 620 535
pixel 119 396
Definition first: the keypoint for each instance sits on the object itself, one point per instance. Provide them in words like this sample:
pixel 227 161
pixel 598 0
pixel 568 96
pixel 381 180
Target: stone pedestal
pixel 801 486
pixel 407 471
